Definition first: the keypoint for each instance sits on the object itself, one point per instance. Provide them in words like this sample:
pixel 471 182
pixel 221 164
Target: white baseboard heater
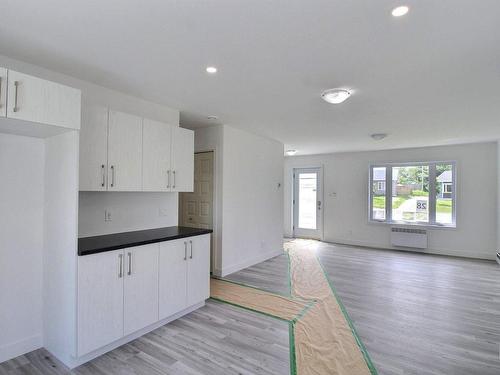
pixel 406 237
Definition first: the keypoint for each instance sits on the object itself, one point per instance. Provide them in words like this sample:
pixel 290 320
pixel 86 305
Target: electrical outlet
pixel 107 215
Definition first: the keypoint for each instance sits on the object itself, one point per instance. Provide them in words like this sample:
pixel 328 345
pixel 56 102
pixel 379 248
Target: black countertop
pixel 115 241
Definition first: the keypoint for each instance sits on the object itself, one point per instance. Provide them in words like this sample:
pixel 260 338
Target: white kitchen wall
pixel 249 205
pixel 129 211
pixel 21 243
pixel 252 204
pixel 346 203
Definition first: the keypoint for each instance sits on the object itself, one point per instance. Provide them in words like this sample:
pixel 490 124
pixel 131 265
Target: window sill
pixel 418 225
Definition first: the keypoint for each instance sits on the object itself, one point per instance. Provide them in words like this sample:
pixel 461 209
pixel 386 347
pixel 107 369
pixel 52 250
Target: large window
pixel 413 193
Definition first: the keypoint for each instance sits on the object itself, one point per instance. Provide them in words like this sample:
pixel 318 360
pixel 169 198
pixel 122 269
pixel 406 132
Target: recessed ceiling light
pixel 211 69
pixel 378 136
pixel 212 118
pixel 400 11
pixel 290 152
pixel 335 96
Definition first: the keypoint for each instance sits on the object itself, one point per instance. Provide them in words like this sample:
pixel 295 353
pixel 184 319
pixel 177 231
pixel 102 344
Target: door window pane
pixel 308 183
pixel 378 193
pixel 444 193
pixel 410 193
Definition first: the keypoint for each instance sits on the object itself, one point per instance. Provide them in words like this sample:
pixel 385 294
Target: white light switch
pixel 107 215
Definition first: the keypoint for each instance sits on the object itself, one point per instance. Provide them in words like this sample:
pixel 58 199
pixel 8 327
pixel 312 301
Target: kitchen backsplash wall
pixel 113 212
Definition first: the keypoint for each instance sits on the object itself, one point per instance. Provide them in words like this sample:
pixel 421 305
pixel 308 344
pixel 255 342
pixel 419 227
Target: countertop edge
pixel 201 232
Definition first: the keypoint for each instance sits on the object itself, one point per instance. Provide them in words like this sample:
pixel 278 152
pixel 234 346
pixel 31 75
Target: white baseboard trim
pixel 20 347
pixel 75 362
pixel 249 262
pixel 340 241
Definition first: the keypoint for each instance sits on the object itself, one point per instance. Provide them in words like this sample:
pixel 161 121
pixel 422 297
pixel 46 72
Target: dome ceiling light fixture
pixel 379 136
pixel 290 152
pixel 335 96
pixel 400 11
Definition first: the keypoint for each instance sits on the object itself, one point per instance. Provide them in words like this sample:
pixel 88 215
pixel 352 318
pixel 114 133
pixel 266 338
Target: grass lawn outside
pixel 442 205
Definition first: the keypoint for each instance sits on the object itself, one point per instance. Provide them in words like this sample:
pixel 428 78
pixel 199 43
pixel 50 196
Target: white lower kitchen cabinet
pixel 173 277
pixel 198 270
pixel 123 292
pixel 100 300
pixel 140 287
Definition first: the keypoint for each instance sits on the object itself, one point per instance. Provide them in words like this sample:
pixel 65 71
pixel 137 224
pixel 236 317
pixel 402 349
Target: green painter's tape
pixel 304 311
pixel 251 286
pixel 289 273
pixel 361 346
pixel 250 309
pixel 293 358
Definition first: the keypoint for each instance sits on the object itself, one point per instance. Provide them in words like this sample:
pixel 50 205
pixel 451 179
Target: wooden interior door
pixel 197 207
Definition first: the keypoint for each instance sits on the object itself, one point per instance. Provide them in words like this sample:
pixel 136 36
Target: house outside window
pixel 421 193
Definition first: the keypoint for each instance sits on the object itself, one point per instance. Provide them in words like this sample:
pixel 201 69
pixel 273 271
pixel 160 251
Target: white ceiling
pixel 431 77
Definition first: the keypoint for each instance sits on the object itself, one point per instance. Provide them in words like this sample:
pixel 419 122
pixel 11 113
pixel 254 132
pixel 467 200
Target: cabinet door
pixel 156 156
pixel 38 100
pixel 182 159
pixel 93 148
pixel 124 152
pixel 173 277
pixel 100 300
pixel 3 92
pixel 198 279
pixel 141 287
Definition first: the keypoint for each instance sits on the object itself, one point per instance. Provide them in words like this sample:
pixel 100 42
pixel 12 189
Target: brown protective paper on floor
pixel 324 342
pixel 256 299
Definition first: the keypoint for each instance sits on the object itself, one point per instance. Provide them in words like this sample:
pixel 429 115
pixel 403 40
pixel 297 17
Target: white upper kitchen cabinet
pixel 94 148
pixel 182 165
pixel 141 287
pixel 38 100
pixel 3 92
pixel 124 152
pixel 173 277
pixel 198 274
pixel 100 300
pixel 156 157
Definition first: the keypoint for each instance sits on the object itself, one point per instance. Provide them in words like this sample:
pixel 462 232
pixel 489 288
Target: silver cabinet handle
pixel 0 92
pixel 112 176
pixel 16 85
pixel 129 264
pixel 103 172
pixel 168 178
pixel 173 185
pixel 120 272
pixel 191 255
pixel 185 250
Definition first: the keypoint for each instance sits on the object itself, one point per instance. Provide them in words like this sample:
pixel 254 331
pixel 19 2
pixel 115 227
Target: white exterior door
pixel 197 207
pixel 94 148
pixel 124 152
pixel 182 159
pixel 198 280
pixel 3 92
pixel 173 277
pixel 100 300
pixel 156 174
pixel 141 287
pixel 307 203
pixel 38 100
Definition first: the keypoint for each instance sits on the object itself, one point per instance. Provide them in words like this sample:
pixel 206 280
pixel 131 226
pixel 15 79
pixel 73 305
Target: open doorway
pixel 196 208
pixel 307 203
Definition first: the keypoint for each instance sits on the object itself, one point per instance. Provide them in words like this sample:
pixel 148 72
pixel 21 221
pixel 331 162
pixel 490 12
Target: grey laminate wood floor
pixel 216 339
pixel 416 313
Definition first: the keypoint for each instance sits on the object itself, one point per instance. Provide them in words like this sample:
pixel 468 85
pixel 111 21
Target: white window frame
pixel 432 194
